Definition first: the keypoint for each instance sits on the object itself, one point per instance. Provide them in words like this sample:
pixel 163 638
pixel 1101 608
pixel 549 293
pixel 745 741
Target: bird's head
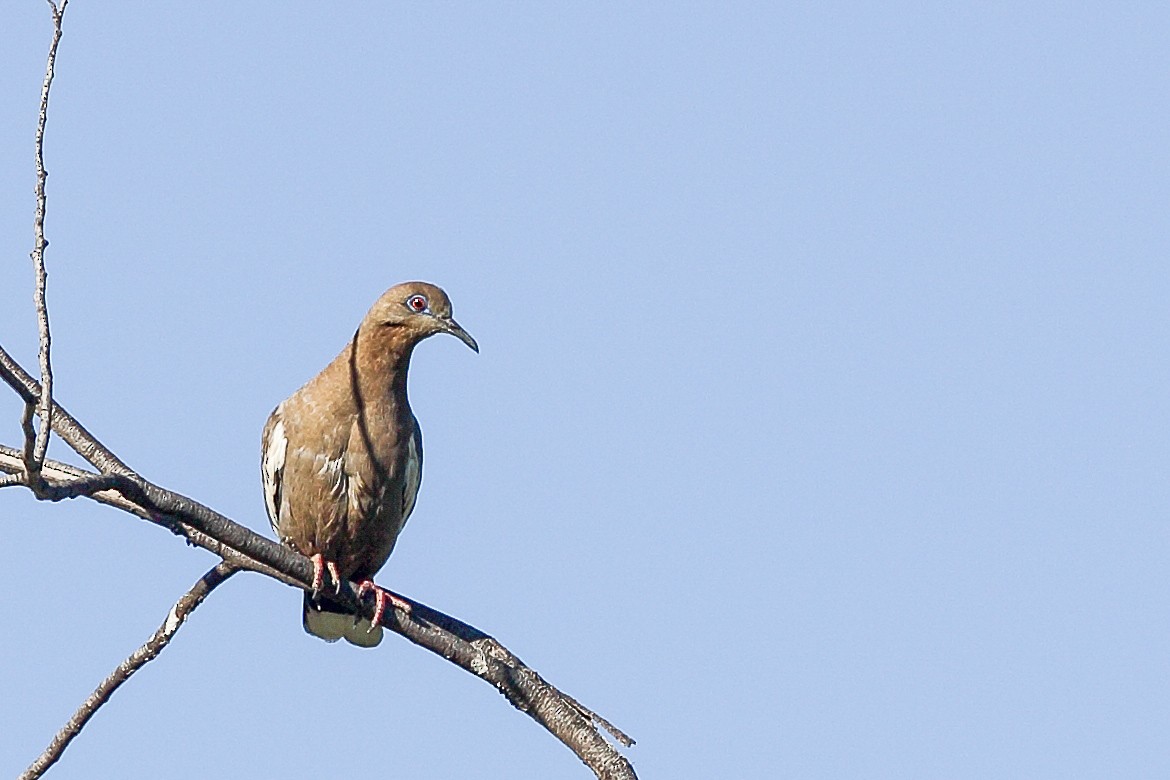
pixel 419 310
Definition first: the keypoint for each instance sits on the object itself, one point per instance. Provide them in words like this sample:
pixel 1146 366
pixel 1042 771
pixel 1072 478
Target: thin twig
pixel 139 658
pixel 45 403
pixel 30 434
pixel 613 730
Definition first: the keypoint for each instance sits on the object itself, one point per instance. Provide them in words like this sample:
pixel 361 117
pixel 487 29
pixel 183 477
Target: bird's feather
pixel 275 444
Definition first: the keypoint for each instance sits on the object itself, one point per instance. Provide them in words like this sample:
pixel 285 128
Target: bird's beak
pixel 456 330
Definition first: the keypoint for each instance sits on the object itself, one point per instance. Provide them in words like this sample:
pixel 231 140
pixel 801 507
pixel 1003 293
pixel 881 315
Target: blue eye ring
pixel 417 304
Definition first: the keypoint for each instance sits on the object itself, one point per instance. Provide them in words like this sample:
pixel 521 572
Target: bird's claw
pixel 319 567
pixel 381 598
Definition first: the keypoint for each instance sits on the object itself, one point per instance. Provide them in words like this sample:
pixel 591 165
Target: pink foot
pixel 381 596
pixel 319 567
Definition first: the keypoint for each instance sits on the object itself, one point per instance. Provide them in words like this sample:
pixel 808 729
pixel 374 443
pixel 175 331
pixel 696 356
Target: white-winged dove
pixel 342 457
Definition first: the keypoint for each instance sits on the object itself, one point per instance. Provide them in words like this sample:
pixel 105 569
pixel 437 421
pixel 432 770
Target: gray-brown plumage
pixel 342 456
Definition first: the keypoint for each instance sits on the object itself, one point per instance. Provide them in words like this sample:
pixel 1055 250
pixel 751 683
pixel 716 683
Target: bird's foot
pixel 319 567
pixel 381 598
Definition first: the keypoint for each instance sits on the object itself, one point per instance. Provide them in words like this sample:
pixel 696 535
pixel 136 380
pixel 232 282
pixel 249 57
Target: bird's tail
pixel 332 622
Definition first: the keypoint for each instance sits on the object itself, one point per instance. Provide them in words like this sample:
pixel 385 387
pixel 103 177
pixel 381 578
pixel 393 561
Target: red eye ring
pixel 416 303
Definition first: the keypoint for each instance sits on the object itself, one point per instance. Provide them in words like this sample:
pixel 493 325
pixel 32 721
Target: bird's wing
pixel 273 446
pixel 364 479
pixel 380 493
pixel 413 475
pixel 375 487
pixel 305 488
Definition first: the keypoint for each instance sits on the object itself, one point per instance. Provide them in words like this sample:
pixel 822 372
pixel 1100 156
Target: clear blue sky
pixel 820 427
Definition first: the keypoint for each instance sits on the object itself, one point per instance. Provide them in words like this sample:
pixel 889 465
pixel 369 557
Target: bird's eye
pixel 416 303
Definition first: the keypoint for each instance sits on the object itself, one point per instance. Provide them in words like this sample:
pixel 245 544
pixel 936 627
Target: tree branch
pixel 40 445
pixel 462 644
pixel 139 658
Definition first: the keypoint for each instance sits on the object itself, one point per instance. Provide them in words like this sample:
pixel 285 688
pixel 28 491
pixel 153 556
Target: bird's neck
pixel 379 360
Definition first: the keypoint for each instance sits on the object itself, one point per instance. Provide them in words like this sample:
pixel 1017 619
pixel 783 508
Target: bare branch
pixel 11 480
pixel 45 404
pixel 139 658
pixel 462 644
pixel 30 435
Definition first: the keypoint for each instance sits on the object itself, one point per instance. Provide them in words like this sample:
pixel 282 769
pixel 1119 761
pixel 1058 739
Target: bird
pixel 341 458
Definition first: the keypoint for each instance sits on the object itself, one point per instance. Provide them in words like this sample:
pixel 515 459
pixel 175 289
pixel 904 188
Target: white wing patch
pixel 412 477
pixel 271 466
pixel 332 470
pixel 358 496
